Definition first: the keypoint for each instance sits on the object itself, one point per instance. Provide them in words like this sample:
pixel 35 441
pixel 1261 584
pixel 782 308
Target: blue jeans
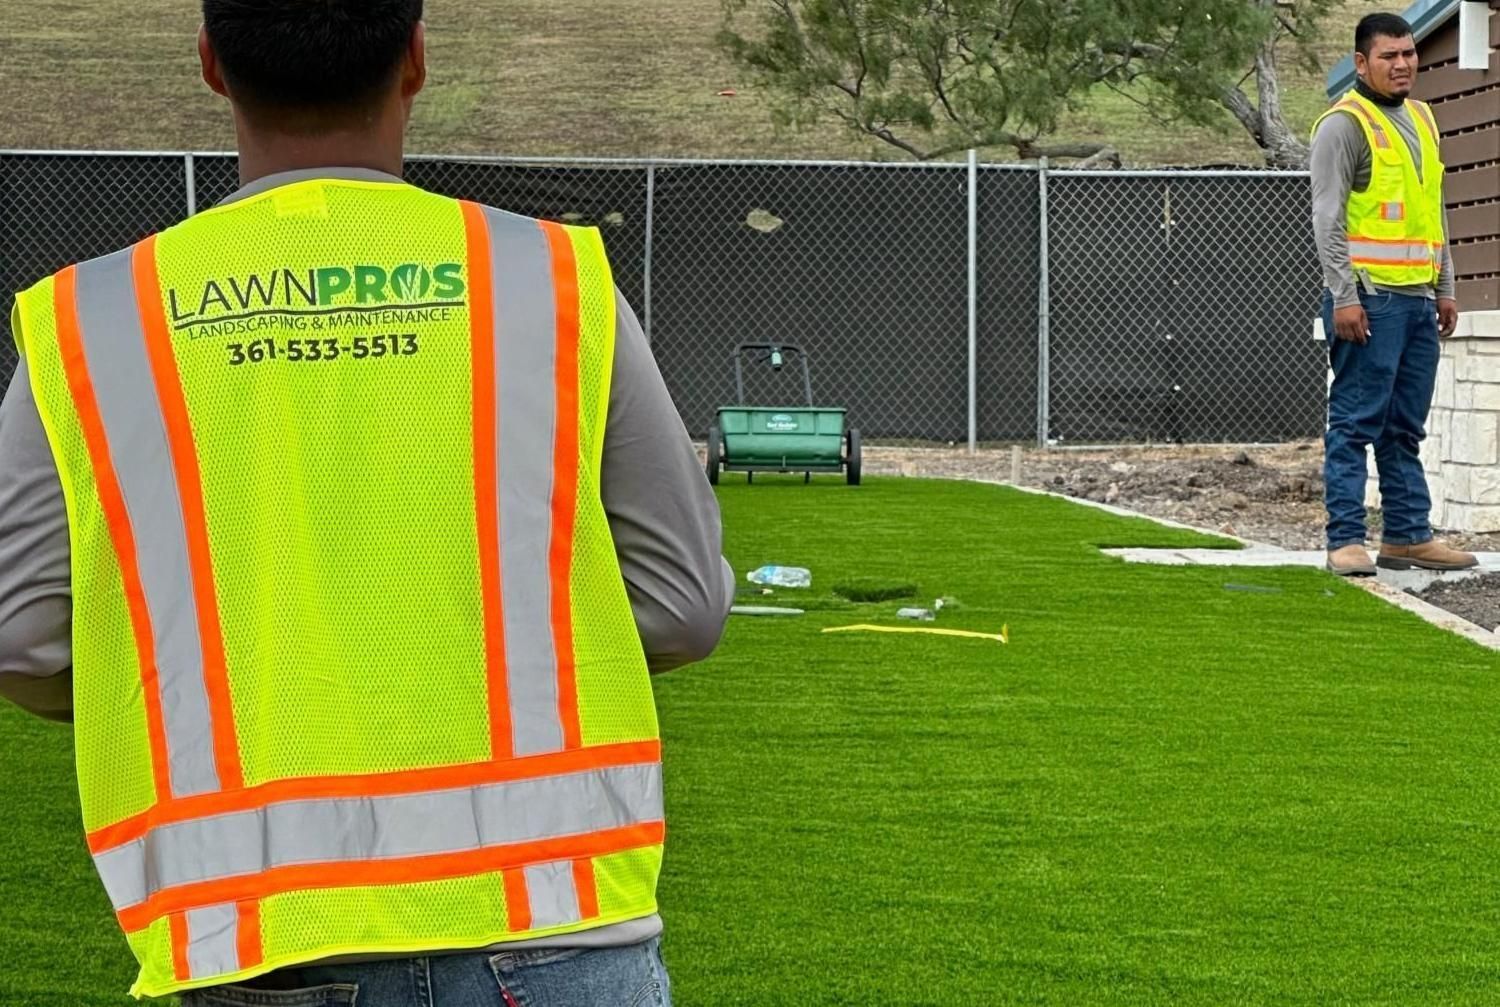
pixel 632 976
pixel 1381 394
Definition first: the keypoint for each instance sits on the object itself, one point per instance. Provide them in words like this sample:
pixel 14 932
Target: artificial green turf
pixel 1161 791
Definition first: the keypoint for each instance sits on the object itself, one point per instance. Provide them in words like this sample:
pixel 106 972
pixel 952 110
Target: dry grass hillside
pixel 519 77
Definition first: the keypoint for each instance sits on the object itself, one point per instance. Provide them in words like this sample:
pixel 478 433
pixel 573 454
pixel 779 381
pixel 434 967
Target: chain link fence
pixel 57 209
pixel 1181 307
pixel 938 302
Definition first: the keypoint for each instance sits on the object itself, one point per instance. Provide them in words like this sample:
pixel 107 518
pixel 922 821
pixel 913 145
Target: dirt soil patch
pixel 1269 494
pixel 1476 599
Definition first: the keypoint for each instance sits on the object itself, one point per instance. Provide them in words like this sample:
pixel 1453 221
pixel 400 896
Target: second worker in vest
pixel 1378 221
pixel 345 521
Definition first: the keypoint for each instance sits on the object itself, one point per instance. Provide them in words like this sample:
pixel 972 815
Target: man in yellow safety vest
pixel 1377 181
pixel 346 521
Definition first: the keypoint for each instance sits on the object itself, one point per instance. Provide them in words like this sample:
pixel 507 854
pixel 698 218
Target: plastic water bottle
pixel 781 576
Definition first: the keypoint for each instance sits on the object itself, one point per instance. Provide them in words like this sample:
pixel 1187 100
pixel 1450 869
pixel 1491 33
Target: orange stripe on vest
pixel 190 494
pixel 486 480
pixel 565 486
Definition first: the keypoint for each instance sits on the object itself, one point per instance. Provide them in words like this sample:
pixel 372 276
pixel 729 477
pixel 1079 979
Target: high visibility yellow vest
pixel 1396 223
pixel 354 666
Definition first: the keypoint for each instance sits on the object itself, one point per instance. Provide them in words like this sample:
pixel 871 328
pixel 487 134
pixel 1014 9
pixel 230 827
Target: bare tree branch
pixel 1092 153
pixel 1104 154
pixel 1127 95
pixel 883 133
pixel 942 92
pixel 1027 148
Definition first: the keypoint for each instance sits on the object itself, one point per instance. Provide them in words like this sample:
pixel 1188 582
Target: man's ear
pixel 213 75
pixel 414 66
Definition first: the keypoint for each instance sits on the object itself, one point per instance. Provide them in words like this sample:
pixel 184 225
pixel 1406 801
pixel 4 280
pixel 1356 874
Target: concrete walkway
pixel 1406 580
pixel 1390 585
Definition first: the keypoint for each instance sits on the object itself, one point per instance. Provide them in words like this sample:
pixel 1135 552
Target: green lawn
pixel 1161 791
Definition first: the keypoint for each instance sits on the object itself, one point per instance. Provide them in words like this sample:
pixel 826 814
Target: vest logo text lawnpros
pixel 326 291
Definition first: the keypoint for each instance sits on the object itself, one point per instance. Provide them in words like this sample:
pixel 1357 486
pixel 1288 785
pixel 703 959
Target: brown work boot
pixel 1350 561
pixel 1432 555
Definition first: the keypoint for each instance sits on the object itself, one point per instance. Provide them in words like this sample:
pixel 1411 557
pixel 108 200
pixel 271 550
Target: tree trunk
pixel 1282 147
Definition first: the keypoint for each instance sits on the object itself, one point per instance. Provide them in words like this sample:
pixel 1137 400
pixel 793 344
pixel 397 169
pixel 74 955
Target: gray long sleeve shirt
pixel 1340 165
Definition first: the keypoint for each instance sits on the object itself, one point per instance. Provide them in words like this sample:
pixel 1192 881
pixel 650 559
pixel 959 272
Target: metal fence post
pixel 973 300
pixel 646 270
pixel 192 184
pixel 1043 318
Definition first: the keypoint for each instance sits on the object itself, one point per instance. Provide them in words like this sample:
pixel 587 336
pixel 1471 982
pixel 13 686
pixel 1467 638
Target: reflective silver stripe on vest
pixel 1380 251
pixel 1425 114
pixel 213 940
pixel 1360 112
pixel 553 895
pixel 342 830
pixel 526 422
pixel 114 347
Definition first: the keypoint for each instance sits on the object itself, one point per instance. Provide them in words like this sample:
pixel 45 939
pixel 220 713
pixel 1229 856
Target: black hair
pixel 309 55
pixel 1371 25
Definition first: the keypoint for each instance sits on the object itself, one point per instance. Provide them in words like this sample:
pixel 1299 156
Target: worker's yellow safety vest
pixel 1395 224
pixel 354 666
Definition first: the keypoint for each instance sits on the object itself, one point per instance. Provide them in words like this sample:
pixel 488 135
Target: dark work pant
pixel 1380 396
pixel 632 976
